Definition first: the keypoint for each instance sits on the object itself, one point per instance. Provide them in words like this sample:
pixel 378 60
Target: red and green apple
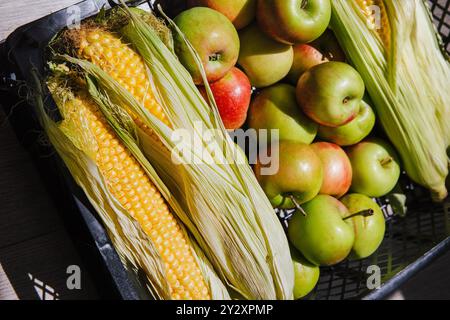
pixel 214 38
pixel 324 49
pixel 294 21
pixel 331 93
pixel 354 131
pixel 239 12
pixel 337 169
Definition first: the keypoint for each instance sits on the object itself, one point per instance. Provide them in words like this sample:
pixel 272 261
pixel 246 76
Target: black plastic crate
pixel 411 242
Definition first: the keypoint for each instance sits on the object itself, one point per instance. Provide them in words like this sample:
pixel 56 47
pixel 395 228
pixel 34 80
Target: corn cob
pixel 384 29
pixel 128 182
pixel 435 60
pixel 115 57
pixel 377 15
pixel 410 100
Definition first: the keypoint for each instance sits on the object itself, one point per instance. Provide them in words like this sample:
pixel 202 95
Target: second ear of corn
pixel 130 185
pixel 407 77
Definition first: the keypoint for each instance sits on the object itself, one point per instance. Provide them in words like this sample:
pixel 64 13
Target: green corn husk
pixel 75 145
pixel 427 46
pixel 414 109
pixel 223 205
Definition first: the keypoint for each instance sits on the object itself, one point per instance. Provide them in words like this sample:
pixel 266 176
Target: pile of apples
pixel 274 64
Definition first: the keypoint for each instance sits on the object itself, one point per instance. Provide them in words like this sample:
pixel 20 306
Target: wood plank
pixel 26 210
pixel 7 291
pixel 33 239
pixel 43 261
pixel 16 13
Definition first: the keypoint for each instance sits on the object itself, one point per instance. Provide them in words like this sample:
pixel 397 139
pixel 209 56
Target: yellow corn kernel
pixel 122 63
pixel 373 15
pixel 137 194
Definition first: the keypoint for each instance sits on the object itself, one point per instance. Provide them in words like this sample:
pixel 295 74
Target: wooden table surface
pixel 14 13
pixel 35 249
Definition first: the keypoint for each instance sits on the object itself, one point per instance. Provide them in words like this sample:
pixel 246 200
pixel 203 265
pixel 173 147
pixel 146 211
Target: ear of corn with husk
pixel 435 61
pixel 223 205
pixel 407 78
pixel 142 227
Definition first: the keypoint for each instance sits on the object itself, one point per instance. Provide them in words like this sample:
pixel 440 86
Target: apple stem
pixel 297 205
pixel 214 57
pixel 346 100
pixel 304 3
pixel 386 161
pixel 364 213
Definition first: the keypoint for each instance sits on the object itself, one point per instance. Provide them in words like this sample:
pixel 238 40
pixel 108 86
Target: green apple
pixel 294 21
pixel 321 234
pixel 376 168
pixel 239 12
pixel 299 176
pixel 276 107
pixel 369 228
pixel 214 38
pixel 306 275
pixel 354 131
pixel 264 60
pixel 331 93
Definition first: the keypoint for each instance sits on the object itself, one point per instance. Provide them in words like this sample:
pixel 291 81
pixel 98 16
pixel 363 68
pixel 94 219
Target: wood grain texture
pixel 41 264
pixel 15 13
pixel 33 239
pixel 26 207
pixel 7 291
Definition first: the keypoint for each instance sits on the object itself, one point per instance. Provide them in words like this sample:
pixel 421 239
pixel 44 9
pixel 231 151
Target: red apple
pixel 305 57
pixel 321 50
pixel 240 12
pixel 337 169
pixel 232 94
